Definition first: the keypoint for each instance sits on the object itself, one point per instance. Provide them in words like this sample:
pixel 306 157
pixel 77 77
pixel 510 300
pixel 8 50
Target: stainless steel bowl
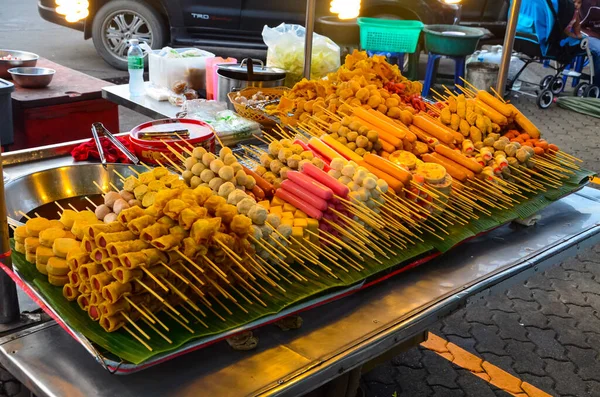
pixel 24 59
pixel 29 192
pixel 32 77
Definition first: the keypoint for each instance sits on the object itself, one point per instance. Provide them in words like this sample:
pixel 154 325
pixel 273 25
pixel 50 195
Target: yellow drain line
pixel 481 368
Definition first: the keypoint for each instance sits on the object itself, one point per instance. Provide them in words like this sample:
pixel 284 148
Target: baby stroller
pixel 540 38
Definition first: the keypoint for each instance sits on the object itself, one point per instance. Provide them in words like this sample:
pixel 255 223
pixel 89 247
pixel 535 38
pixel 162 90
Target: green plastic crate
pixel 388 35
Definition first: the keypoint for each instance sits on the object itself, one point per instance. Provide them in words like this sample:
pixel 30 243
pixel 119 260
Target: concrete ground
pixel 539 338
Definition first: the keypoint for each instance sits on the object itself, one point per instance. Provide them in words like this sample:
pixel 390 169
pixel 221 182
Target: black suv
pixel 238 23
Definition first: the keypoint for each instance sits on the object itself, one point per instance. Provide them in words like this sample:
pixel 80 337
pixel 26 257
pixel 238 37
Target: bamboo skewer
pixel 137 327
pixel 155 317
pixel 147 346
pixel 142 312
pixel 169 341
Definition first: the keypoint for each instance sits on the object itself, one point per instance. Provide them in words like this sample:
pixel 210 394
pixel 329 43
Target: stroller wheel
pixel 545 82
pixel 593 91
pixel 580 88
pixel 557 85
pixel 545 99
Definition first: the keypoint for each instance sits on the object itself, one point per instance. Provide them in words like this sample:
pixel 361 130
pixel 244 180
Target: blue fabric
pixel 536 18
pixel 594 44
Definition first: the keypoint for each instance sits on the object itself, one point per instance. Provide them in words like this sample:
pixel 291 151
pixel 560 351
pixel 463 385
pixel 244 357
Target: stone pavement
pixel 546 332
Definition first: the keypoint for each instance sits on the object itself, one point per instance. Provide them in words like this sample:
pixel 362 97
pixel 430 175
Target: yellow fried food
pixel 57 266
pixel 67 218
pixel 35 225
pixel 431 172
pixel 56 224
pixel 241 225
pixel 20 234
pixel 48 236
pixel 58 281
pixel 138 224
pixel 42 254
pixel 31 244
pixel 174 207
pixel 455 122
pixel 20 248
pixel 129 214
pixel 202 229
pixel 62 246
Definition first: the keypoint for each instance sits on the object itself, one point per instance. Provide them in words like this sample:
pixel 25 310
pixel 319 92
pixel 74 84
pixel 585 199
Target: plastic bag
pixel 286 51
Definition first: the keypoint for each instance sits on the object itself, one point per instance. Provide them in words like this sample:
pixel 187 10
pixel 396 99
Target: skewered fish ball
pixel 285 230
pixel 216 165
pixel 348 170
pixel 335 173
pixel 229 159
pixel 215 184
pixel 236 167
pixel 110 218
pixel 130 183
pixel 102 210
pixel 187 175
pixel 274 220
pixel 224 152
pixel 345 180
pixel 260 170
pixel 119 206
pixel 284 154
pixel 352 146
pixel 257 232
pixel 383 186
pixel 146 177
pixel 195 181
pixel 199 152
pixel 258 214
pixel 134 203
pixel 265 160
pixel 307 155
pixel 226 173
pixel 318 162
pixel 362 141
pixel 190 162
pixel 225 189
pixel 369 183
pixel 244 205
pixel 198 168
pixel 296 149
pixel 294 160
pixel 240 178
pixel 111 197
pixel 236 196
pixel 274 148
pixel 207 159
pixel 276 166
pixel 207 175
pixel 250 182
pixel 125 195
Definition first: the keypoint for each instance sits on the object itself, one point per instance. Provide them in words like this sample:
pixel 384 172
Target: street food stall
pixel 356 216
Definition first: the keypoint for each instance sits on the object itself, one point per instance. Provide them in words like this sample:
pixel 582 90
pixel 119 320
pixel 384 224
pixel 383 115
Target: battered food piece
pixel 174 207
pixel 148 199
pixel 69 292
pixel 99 255
pixel 241 225
pixel 202 229
pixel 20 248
pixel 115 290
pixel 20 234
pixel 62 246
pixel 167 242
pixel 74 279
pixel 126 195
pixel 226 212
pixel 57 266
pixel 110 218
pixel 58 281
pixel 165 220
pixel 30 257
pixel 35 225
pixel 93 230
pixel 124 275
pixel 111 323
pixel 42 254
pixel 137 225
pixel 80 226
pixel 153 232
pixel 110 309
pixel 188 216
pixel 202 194
pixel 103 239
pixel 129 214
pixel 86 216
pixel 41 268
pixel 159 172
pixel 213 202
pixel 83 301
pixel 123 247
pixel 31 244
pixel 110 263
pixel 67 218
pixel 56 224
pixel 48 236
pixel 87 270
pixel 140 191
pixel 77 257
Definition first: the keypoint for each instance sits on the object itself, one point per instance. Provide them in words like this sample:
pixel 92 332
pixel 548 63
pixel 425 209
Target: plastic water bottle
pixel 135 66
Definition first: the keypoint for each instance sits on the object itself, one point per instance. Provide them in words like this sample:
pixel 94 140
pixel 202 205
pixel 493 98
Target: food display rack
pixel 335 338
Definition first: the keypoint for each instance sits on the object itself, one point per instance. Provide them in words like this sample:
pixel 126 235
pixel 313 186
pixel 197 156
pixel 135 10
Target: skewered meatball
pixel 119 206
pixel 296 149
pixel 285 230
pixel 318 162
pixel 195 181
pixel 226 173
pixel 190 162
pixel 258 214
pixel 216 165
pixel 244 205
pixel 198 152
pixel 293 161
pixel 265 160
pixel 225 189
pixel 208 158
pixel 236 196
pixel 284 154
pixel 236 167
pixel 207 175
pixel 215 184
pixel 276 166
pixel 274 220
pixel 229 159
pixel 250 182
pixel 260 170
pixel 110 198
pixel 337 164
pixel 198 168
pixel 125 195
pixel 187 175
pixel 274 148
pixel 110 218
pixel 257 232
pixel 134 203
pixel 224 152
pixel 102 210
pixel 240 178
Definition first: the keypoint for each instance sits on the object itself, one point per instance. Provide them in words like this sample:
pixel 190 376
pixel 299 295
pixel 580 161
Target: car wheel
pixel 121 20
pixel 545 99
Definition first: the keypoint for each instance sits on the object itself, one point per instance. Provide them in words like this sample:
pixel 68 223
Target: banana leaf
pixel 120 345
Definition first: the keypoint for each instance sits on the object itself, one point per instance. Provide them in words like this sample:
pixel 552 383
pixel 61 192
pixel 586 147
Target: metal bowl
pixel 30 192
pixel 24 59
pixel 32 77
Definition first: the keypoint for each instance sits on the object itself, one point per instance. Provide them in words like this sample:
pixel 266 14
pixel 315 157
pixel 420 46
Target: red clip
pixel 6 254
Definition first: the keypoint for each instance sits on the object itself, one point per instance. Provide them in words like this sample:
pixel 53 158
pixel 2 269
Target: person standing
pixel 589 15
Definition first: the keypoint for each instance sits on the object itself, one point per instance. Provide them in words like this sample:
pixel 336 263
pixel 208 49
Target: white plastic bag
pixel 286 51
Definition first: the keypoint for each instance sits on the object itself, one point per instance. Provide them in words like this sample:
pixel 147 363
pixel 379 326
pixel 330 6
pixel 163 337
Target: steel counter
pixel 335 337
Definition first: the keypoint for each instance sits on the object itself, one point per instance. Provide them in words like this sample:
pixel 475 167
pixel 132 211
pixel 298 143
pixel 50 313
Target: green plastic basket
pixel 387 35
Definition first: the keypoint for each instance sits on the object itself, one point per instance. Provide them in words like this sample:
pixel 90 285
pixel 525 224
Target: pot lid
pixel 251 70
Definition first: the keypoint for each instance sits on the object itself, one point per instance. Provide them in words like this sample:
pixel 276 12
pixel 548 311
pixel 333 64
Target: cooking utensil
pixel 234 77
pixel 32 77
pixel 22 59
pixel 99 129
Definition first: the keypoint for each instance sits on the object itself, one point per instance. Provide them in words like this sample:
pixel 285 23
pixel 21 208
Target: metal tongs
pixel 98 129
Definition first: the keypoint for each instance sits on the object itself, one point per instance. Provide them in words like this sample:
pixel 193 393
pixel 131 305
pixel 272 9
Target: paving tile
pixel 525 359
pixel 435 343
pixel 533 391
pixel 567 332
pixel 502 379
pixel 441 371
pixel 544 383
pixel 384 374
pixel 455 324
pixel 568 292
pixel 547 345
pixel 593 300
pixel 550 304
pixel 584 281
pixel 467 344
pixel 569 264
pixel 439 391
pixel 500 302
pixel 540 281
pixel 487 339
pixel 474 386
pixel 567 381
pixel 479 314
pixel 374 389
pixel 465 359
pixel 505 361
pixel 510 326
pixel 413 382
pixel 589 256
pixel 409 358
pixel 521 292
pixel 586 362
pixel 586 318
